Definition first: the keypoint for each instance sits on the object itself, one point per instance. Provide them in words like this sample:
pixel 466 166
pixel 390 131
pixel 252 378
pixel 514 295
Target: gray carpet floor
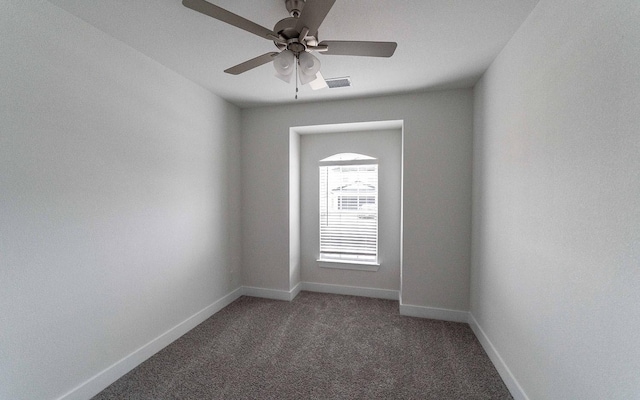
pixel 319 346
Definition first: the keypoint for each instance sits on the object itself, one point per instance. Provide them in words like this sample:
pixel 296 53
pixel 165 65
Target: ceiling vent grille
pixel 334 83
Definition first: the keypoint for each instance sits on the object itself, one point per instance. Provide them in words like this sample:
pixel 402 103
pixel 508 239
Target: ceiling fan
pixel 296 37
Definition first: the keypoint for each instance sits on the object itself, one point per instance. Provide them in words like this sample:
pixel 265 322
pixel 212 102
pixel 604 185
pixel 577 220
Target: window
pixel 349 208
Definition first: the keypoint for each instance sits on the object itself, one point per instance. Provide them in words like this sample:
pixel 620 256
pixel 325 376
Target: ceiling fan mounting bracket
pixel 294 7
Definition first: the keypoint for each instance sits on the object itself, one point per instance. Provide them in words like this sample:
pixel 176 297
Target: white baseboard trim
pixel 296 290
pixel 284 295
pixel 351 290
pixel 273 294
pixel 434 313
pixel 100 381
pixel 512 384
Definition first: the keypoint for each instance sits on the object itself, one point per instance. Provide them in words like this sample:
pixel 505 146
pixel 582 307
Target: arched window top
pixel 347 157
pixel 350 158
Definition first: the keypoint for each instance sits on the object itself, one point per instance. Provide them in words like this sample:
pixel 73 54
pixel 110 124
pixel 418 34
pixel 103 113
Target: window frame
pixel 346 262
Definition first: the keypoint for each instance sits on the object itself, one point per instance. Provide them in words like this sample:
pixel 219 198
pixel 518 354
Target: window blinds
pixel 349 211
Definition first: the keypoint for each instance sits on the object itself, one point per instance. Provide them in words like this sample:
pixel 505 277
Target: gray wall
pixel 556 212
pixel 294 209
pixel 386 147
pixel 437 189
pixel 119 210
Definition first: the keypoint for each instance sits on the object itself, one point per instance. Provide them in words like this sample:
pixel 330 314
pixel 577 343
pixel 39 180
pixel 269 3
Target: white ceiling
pixel 442 44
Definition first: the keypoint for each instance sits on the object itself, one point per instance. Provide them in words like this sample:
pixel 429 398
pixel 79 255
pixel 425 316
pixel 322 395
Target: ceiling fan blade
pixel 230 18
pixel 352 48
pixel 313 13
pixel 319 82
pixel 253 63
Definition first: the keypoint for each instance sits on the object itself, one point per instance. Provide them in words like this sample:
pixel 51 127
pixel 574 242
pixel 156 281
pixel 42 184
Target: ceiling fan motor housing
pixel 286 29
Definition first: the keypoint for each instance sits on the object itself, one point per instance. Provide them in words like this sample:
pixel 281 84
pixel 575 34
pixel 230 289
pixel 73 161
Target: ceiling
pixel 441 44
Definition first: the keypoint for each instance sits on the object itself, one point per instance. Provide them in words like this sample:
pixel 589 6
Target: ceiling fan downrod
pixel 294 7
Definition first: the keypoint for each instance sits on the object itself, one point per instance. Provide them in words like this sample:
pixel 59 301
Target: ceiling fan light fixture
pixel 284 78
pixel 309 67
pixel 284 64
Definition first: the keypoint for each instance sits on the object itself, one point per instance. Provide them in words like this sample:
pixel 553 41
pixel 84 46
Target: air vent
pixel 338 82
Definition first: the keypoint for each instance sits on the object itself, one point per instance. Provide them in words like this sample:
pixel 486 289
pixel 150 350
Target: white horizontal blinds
pixel 349 210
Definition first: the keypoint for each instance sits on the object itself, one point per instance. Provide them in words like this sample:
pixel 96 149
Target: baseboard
pixel 273 294
pixel 434 313
pixel 505 373
pixel 100 381
pixel 296 290
pixel 351 290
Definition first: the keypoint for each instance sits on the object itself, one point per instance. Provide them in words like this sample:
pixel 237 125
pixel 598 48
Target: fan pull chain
pixel 296 77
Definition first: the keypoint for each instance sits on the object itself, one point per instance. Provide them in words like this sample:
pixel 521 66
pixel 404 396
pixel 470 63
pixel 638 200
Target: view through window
pixel 349 208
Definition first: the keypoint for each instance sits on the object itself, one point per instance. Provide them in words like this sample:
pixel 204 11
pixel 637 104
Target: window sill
pixel 352 265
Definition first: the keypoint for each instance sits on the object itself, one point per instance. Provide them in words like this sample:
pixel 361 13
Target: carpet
pixel 318 346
